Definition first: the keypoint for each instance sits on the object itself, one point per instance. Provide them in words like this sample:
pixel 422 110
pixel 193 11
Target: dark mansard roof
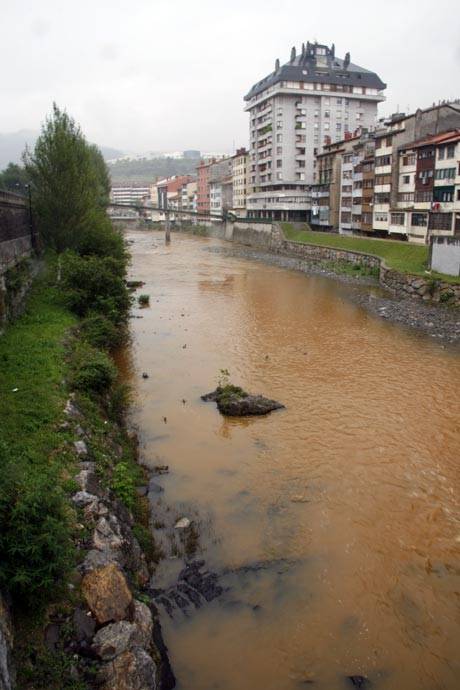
pixel 317 63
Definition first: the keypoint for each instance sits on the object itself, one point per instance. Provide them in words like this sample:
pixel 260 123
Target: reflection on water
pixel 348 496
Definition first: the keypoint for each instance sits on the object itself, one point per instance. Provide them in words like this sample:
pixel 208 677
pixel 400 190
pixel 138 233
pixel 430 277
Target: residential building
pixel 326 191
pixel 240 176
pixel 188 196
pixel 311 101
pixel 168 190
pixel 129 194
pixel 202 188
pixel 429 188
pixel 211 198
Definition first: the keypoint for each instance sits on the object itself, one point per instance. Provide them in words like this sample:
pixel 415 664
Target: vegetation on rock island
pixel 59 349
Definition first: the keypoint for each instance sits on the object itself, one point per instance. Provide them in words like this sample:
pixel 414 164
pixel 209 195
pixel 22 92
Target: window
pixel 338 127
pixel 338 101
pixel 441 153
pixel 382 198
pixel 419 220
pixel 327 126
pixel 338 115
pixel 381 217
pixel 397 218
pixel 426 153
pixel 327 113
pixel 382 160
pixel 279 124
pixel 445 174
pixel 406 179
pixel 279 176
pixel 445 194
pixel 409 159
pixel 423 197
pixel 450 153
pixel 279 163
pixel 406 196
pixel 440 221
pixel 279 138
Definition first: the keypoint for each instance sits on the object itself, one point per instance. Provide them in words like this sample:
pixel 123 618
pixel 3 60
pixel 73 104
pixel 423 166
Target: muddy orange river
pixel 348 497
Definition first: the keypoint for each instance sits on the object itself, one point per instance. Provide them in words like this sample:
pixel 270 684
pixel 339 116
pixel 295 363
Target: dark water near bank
pixel 349 497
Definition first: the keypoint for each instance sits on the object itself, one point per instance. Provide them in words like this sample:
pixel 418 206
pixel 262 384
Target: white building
pixel 130 194
pixel 240 176
pixel 314 99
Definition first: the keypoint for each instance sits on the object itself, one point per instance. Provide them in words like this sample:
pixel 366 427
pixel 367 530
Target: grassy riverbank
pixel 44 536
pixel 402 256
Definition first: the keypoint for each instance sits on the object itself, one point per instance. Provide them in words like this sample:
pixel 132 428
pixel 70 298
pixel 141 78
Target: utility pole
pixel 167 228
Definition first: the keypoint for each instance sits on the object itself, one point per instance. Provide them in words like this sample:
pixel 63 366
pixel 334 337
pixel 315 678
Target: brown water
pixel 351 491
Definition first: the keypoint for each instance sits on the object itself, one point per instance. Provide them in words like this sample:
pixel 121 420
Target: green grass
pixel 32 362
pixel 401 256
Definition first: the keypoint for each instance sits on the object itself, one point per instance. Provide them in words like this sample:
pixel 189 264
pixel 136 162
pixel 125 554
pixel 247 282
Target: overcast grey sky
pixel 148 75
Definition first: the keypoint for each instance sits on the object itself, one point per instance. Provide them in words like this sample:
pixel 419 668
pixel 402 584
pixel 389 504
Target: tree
pixel 14 178
pixel 69 179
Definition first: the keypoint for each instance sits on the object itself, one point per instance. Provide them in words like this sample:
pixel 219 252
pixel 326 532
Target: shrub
pixel 101 332
pixel 94 283
pixel 92 370
pixel 36 549
pixel 123 483
pixel 144 536
pixel 446 296
pixel 120 398
pixel 101 239
pixel 144 300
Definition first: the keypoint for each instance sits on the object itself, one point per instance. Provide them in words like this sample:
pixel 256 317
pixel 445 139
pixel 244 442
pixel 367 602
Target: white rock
pixel 80 447
pixel 183 523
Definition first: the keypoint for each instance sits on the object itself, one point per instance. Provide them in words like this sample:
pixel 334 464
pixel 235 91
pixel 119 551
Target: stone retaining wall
pixel 428 289
pixel 271 237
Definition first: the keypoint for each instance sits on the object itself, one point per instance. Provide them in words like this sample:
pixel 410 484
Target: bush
pixel 95 284
pixel 123 483
pixel 120 399
pixel 36 549
pixel 92 370
pixel 101 239
pixel 100 332
pixel 144 300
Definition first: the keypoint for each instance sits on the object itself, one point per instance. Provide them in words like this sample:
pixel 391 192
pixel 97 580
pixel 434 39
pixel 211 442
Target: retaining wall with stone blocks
pixel 271 237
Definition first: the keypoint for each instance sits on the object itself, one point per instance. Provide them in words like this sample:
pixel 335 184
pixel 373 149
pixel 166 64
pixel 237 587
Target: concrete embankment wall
pixel 270 237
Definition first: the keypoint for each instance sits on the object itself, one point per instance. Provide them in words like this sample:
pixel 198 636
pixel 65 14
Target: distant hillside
pixel 147 169
pixel 13 144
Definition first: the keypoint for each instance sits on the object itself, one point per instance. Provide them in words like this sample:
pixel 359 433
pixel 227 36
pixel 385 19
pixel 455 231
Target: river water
pixel 348 498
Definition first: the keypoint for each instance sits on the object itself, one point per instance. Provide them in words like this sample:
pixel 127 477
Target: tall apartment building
pixel 240 176
pixel 311 101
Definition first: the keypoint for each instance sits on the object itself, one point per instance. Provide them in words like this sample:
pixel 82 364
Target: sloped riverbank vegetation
pixel 71 566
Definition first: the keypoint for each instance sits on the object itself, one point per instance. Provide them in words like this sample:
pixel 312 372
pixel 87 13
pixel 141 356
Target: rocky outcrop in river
pixel 235 402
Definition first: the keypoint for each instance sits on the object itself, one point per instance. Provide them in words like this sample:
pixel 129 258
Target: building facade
pixel 311 101
pixel 240 176
pixel 129 194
